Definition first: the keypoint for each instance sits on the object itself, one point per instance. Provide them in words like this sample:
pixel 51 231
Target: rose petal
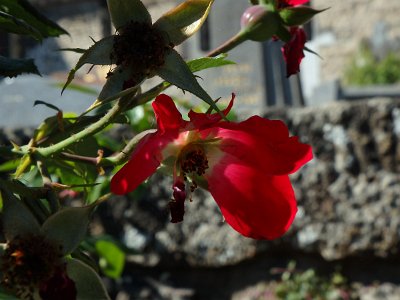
pixel 202 120
pixel 263 144
pixel 292 2
pixel 144 161
pixel 293 50
pixel 167 115
pixel 254 204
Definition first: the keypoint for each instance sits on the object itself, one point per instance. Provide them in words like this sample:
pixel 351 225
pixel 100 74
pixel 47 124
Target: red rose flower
pixel 286 3
pixel 244 165
pixel 293 50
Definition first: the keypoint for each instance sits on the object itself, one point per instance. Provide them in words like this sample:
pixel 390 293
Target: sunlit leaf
pixel 9 165
pixel 184 20
pixel 24 166
pixel 123 11
pixel 100 189
pixel 88 283
pixel 203 63
pixel 10 67
pixel 112 258
pixel 176 72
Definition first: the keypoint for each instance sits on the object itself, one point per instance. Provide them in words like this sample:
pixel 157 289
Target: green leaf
pixel 102 187
pixel 298 15
pixel 26 15
pixel 176 72
pixel 9 165
pixel 123 11
pixel 76 50
pixel 203 63
pixel 112 258
pixel 88 283
pixel 24 165
pixel 79 88
pixel 47 127
pixel 17 219
pixel 184 20
pixel 97 54
pixel 49 105
pixel 11 67
pixel 68 226
pixel 5 296
pixel 12 24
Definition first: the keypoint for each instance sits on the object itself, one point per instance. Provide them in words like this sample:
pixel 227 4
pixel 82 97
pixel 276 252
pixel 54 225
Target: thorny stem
pixel 88 131
pixel 111 160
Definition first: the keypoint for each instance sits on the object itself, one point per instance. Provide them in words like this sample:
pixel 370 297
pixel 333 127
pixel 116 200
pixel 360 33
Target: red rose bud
pixel 259 22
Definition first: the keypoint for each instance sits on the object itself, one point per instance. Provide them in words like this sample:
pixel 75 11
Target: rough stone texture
pixel 350 22
pixel 348 197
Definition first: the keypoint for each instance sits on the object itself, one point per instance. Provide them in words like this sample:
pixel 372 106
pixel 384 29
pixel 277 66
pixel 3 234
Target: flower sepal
pixel 122 12
pixel 98 54
pixel 183 21
pixel 298 15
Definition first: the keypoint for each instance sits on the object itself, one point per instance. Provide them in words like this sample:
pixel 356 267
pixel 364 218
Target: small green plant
pixel 308 285
pixel 366 69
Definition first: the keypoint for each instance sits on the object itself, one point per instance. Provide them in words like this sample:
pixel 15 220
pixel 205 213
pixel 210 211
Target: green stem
pixel 234 41
pixel 111 160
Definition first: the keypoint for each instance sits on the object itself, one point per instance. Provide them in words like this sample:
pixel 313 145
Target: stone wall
pixel 349 22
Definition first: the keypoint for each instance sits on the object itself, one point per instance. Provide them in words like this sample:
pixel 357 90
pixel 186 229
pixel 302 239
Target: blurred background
pixel 345 241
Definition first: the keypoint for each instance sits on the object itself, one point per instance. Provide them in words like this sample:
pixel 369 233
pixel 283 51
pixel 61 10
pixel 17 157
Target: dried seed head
pixel 140 47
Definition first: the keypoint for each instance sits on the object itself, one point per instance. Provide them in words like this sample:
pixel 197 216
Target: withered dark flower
pixel 30 261
pixel 35 262
pixel 139 46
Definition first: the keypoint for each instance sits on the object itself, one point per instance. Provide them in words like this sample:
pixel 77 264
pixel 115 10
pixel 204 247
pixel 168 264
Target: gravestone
pixel 259 77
